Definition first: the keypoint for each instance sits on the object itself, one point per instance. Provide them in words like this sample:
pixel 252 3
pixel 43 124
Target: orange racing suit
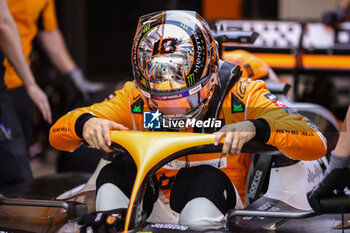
pixel 291 133
pixel 252 66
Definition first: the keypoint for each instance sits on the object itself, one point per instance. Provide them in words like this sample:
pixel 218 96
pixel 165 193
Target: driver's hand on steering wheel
pixel 96 132
pixel 237 135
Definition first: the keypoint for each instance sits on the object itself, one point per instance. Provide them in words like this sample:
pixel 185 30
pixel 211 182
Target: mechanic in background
pixel 14 161
pixel 37 18
pixel 337 175
pixel 339 15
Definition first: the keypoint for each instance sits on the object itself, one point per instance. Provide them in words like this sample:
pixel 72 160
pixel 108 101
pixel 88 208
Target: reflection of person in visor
pixel 178 73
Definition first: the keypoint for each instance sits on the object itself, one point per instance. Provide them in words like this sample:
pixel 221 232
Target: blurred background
pixel 99 36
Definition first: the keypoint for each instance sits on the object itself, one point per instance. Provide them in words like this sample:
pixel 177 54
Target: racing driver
pixel 178 76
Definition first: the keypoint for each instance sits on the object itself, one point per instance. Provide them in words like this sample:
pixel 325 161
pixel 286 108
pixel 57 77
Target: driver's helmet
pixel 175 63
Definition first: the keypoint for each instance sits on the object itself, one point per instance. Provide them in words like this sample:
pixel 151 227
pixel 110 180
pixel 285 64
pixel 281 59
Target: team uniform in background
pixel 30 17
pixel 292 134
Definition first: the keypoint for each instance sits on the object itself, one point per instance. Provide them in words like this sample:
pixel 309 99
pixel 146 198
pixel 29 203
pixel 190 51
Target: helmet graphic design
pixel 175 63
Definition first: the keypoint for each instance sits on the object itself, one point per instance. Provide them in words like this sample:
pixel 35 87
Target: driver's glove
pixel 110 221
pixel 337 177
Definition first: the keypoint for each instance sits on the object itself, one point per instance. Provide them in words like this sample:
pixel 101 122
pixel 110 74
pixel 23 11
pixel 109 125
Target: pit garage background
pixel 314 58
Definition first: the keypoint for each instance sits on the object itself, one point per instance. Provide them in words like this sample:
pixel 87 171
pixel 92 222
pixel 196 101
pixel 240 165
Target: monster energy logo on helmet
pixel 145 83
pixel 147 27
pixel 190 80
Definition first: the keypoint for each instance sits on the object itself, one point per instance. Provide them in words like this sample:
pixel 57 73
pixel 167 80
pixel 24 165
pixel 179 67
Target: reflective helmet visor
pixel 174 58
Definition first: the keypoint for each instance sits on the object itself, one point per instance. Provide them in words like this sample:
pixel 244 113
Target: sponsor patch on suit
pixel 236 104
pixel 137 106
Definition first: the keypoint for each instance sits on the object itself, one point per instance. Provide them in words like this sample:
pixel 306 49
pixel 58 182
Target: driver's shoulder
pixel 129 90
pixel 244 87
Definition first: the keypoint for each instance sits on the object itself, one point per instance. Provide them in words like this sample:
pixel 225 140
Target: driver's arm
pixel 271 122
pixel 67 133
pixel 277 125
